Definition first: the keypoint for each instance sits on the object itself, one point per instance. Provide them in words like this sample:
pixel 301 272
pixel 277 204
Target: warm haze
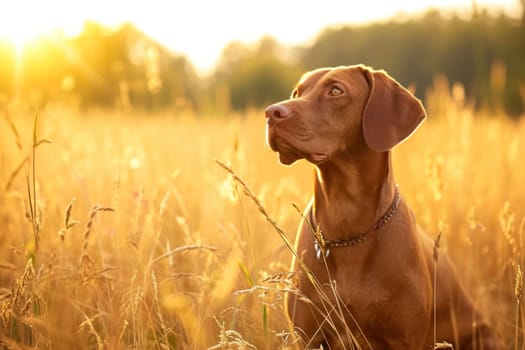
pixel 201 29
pixel 120 230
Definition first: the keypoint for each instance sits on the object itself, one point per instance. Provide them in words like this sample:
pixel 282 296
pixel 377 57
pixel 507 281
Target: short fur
pixel 345 121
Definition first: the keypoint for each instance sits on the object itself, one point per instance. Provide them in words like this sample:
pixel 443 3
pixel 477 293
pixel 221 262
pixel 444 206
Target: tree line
pixel 124 68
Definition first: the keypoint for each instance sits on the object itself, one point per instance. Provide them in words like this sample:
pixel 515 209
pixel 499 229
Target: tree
pixel 255 77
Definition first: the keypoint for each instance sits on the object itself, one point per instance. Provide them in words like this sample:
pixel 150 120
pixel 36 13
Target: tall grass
pixel 144 241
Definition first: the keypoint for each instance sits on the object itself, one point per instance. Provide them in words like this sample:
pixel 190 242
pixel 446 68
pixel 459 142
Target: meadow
pixel 121 231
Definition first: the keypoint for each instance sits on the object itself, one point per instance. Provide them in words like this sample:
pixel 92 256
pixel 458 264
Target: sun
pixel 15 32
pixel 19 26
pixel 22 22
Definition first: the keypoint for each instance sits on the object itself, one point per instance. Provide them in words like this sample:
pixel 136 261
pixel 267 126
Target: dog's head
pixel 342 110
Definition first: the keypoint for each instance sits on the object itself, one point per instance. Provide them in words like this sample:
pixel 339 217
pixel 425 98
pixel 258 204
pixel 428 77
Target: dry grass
pixel 182 259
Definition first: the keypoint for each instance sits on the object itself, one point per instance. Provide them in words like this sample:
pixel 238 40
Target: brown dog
pixel 368 272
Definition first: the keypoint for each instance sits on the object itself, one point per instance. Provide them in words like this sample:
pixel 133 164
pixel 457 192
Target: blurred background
pixel 232 55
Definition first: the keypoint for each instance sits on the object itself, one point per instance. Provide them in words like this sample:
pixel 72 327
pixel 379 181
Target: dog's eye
pixel 295 93
pixel 335 91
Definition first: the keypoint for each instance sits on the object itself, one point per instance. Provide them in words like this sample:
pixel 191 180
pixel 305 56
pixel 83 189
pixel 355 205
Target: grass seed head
pixel 518 286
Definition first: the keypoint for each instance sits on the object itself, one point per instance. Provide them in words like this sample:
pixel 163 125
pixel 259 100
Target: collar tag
pixel 319 250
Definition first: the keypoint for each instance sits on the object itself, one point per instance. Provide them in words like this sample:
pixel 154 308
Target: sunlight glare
pixel 22 22
pixel 18 25
pixel 202 28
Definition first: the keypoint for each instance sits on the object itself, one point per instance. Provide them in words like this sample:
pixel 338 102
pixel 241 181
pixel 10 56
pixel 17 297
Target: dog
pixel 363 267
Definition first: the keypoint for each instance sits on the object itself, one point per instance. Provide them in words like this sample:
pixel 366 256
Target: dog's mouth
pixel 271 138
pixel 317 158
pixel 288 152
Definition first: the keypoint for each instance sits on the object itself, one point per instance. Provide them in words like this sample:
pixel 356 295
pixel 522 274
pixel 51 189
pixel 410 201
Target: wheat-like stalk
pixel 13 128
pixel 333 313
pixel 89 224
pixel 518 290
pixel 21 287
pixel 231 339
pixel 183 249
pixel 435 256
pixel 68 223
pixel 88 322
pixel 119 304
pixel 518 286
pixel 247 191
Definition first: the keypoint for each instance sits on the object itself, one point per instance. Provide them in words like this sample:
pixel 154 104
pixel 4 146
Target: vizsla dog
pixel 370 268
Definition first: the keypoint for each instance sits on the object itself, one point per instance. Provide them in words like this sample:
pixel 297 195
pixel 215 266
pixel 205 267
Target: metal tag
pixel 319 251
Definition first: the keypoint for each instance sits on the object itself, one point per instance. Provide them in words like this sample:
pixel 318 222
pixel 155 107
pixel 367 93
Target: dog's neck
pixel 351 193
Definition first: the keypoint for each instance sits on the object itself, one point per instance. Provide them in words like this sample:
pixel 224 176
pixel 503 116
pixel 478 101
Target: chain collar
pixel 323 246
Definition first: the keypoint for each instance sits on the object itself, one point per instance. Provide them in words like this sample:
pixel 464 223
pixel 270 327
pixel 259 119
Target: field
pixel 121 231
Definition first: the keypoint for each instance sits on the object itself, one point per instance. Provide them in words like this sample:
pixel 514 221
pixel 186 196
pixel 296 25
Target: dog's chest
pixel 353 272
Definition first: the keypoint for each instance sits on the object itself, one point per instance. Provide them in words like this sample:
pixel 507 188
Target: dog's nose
pixel 278 111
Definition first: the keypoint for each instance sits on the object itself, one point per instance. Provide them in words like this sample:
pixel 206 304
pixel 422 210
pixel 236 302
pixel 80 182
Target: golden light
pixel 14 30
pixel 22 22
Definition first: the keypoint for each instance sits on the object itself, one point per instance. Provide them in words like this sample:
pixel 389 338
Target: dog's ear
pixel 391 113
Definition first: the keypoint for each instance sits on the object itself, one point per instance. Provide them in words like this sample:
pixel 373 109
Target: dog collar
pixel 322 246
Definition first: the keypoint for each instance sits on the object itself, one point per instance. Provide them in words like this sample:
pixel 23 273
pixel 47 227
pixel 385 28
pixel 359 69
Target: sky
pixel 200 29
